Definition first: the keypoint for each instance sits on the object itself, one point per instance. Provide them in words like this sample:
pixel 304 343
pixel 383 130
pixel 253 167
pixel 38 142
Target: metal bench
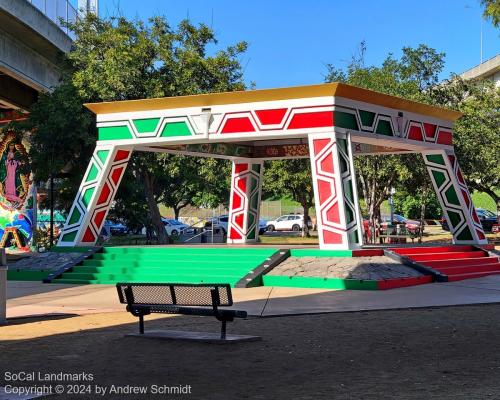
pixel 182 298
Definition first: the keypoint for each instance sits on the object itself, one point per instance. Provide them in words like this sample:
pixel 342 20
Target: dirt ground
pixel 439 353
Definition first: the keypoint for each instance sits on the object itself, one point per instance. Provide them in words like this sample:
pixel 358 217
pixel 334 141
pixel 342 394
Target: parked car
pixel 289 222
pixel 262 226
pixel 411 225
pixel 221 222
pixel 114 228
pixel 486 217
pixel 174 227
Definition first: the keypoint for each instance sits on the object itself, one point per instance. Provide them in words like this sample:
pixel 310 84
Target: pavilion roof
pixel 288 93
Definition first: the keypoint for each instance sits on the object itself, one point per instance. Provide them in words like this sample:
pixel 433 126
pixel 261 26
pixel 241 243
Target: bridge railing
pixel 56 10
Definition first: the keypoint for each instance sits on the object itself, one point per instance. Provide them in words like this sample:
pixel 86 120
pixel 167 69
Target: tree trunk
pixel 156 221
pixel 177 210
pixel 423 206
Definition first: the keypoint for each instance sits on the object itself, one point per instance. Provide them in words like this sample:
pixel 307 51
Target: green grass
pixel 482 200
pixel 276 240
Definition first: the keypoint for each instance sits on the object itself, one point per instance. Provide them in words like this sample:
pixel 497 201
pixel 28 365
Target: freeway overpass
pixel 31 40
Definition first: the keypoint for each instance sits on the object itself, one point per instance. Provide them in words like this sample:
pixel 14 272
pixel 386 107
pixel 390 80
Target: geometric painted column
pixel 95 195
pixel 454 197
pixel 335 194
pixel 244 203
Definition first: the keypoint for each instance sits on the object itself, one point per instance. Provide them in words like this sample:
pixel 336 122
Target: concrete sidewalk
pixel 34 298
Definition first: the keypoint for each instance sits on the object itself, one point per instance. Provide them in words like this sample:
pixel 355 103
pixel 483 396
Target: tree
pixel 476 134
pixel 291 177
pixel 61 139
pixel 492 11
pixel 410 77
pixel 116 59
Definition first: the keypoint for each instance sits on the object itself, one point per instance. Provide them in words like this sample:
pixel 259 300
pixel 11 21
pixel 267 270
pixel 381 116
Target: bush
pixel 409 205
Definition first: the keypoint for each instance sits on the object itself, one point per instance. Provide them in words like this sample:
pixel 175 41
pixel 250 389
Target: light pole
pixel 391 203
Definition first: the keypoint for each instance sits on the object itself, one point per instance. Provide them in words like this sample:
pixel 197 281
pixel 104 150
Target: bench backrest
pixel 182 294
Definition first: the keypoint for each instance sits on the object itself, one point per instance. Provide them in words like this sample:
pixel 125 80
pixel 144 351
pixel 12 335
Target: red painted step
pixel 450 271
pixel 461 262
pixel 426 250
pixel 461 277
pixel 446 256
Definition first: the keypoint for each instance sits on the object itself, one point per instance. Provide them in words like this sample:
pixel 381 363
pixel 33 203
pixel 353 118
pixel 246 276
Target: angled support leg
pixel 335 194
pixel 95 195
pixel 454 197
pixel 244 206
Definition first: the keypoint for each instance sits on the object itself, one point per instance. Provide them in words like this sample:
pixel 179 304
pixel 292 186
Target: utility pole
pixel 86 6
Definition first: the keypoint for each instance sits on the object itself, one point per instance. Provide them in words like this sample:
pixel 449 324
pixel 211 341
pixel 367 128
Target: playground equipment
pixel 329 123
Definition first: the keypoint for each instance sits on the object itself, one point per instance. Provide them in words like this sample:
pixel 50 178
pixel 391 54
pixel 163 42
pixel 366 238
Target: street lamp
pixel 391 202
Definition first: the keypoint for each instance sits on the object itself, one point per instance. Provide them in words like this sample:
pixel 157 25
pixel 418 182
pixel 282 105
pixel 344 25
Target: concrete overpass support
pixel 30 44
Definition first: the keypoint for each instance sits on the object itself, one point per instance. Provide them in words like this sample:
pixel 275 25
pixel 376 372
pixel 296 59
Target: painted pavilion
pixel 328 123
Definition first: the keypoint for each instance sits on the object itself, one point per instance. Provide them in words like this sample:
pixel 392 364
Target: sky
pixel 290 42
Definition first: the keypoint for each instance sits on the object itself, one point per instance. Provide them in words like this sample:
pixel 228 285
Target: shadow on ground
pixel 439 353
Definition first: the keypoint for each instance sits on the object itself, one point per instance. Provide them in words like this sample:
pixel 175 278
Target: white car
pixel 173 227
pixel 290 222
pixel 219 222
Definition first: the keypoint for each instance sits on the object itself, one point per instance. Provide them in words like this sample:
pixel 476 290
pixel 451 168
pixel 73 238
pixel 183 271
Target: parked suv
pixel 487 218
pixel 290 222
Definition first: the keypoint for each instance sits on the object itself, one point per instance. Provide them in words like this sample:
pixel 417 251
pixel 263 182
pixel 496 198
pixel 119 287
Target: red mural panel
pixel 99 217
pixel 330 237
pixel 239 168
pixel 105 192
pixel 88 236
pixel 238 125
pixel 332 214
pixel 271 117
pixel 327 164
pixel 430 130
pixel 236 201
pixel 121 155
pixel 312 120
pixel 319 144
pixel 238 220
pixel 445 138
pixel 234 234
pixel 242 184
pixel 324 190
pixel 115 176
pixel 415 133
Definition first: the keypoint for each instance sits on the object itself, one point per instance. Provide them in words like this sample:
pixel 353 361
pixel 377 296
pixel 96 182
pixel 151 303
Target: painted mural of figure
pixel 11 175
pixel 11 165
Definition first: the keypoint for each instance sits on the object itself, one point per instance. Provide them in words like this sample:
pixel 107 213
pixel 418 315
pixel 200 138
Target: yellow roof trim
pixel 251 96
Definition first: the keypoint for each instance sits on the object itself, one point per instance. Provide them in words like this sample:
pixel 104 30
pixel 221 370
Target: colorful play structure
pixel 328 123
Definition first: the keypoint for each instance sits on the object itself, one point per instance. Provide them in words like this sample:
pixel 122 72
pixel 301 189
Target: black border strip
pixel 254 277
pixel 438 276
pixel 68 266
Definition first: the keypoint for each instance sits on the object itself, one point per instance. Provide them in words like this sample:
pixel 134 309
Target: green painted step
pixel 204 260
pixel 193 251
pixel 159 270
pixel 320 253
pixel 114 281
pixel 190 265
pixel 318 283
pixel 106 276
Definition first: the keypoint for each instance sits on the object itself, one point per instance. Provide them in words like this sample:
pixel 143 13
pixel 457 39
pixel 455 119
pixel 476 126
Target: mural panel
pixel 17 193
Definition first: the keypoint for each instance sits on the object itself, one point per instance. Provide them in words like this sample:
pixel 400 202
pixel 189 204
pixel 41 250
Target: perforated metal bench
pixel 182 298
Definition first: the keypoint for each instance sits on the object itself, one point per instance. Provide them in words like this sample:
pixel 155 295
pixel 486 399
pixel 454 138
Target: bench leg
pixel 223 330
pixel 141 324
